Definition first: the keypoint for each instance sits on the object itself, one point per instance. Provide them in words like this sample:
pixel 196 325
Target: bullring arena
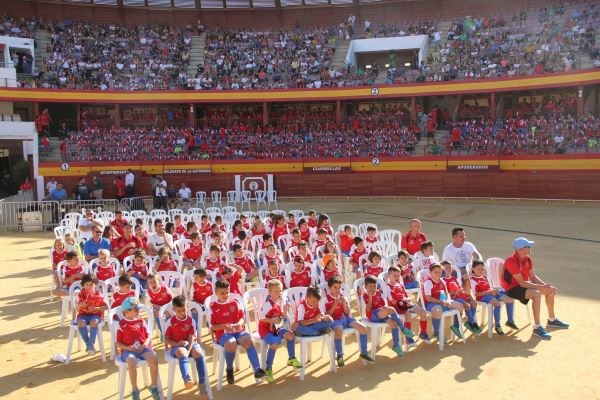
pixel 299 199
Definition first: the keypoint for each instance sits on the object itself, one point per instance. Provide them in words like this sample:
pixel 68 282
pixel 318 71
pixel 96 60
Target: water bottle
pixel 444 297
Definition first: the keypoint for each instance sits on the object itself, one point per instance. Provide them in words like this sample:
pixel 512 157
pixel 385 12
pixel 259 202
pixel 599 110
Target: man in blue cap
pixel 521 283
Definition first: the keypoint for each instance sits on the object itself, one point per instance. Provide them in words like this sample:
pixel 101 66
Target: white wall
pixel 16 42
pixel 8 77
pixel 419 42
pixel 26 132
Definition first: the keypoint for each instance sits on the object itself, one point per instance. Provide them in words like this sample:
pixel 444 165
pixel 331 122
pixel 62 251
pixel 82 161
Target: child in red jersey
pixel 201 288
pixel 159 295
pixel 90 310
pixel 321 239
pixel 312 219
pixel 227 319
pixel 139 268
pixel 273 272
pixel 192 256
pixel 165 261
pixel 374 266
pixel 104 269
pixel 214 262
pixel 406 270
pixel 457 294
pixel 272 254
pixel 182 341
pixel 124 291
pixel 205 225
pixel 233 274
pixel 271 330
pixel 301 275
pixel 330 265
pixel 59 253
pixel 73 271
pixel 356 254
pixel 245 261
pixel 377 310
pixel 346 240
pixel 371 235
pixel 296 238
pixel 135 343
pixel 323 223
pixel 310 320
pixel 437 300
pixel 180 229
pixel 304 230
pixel 291 222
pixel 403 304
pixel 339 309
pixel 279 228
pixel 304 252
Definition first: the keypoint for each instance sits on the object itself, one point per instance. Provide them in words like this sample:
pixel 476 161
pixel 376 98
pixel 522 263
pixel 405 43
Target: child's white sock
pixel 551 319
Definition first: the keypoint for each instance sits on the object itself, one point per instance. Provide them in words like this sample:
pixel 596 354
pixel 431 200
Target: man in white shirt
pixel 129 182
pixel 159 239
pixel 184 195
pixel 161 193
pixel 87 224
pixel 460 252
pixel 51 185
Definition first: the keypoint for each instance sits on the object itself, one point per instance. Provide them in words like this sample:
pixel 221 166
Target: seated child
pixel 403 304
pixel 346 240
pixel 159 295
pixel 272 254
pixel 457 293
pixel 484 293
pixel 181 336
pixel 124 291
pixel 90 310
pixel 321 239
pixel 356 254
pixel 233 274
pixel 139 268
pixel 72 272
pixel 330 269
pixel 59 253
pixel 377 310
pixel 304 230
pixel 273 272
pixel 72 245
pixel 406 270
pixel 193 254
pixel 339 309
pixel 424 258
pixel 291 222
pixel 214 262
pixel 312 219
pixel 228 326
pixel 310 321
pixel 165 261
pixel 301 275
pixel 245 261
pixel 202 287
pixel 271 318
pixel 371 235
pixel 104 270
pixel 135 343
pixel 374 266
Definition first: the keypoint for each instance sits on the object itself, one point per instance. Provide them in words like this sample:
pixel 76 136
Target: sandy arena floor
pixel 515 366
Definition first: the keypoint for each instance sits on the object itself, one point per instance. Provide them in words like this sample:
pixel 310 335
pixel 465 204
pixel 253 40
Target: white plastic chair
pixel 362 228
pixel 173 362
pixel 192 211
pixel 107 214
pixel 493 267
pixel 216 198
pixel 201 199
pixel 377 328
pixel 114 325
pixel 228 209
pixel 263 214
pixel 261 198
pixel 74 330
pixel 231 197
pixel 247 199
pixel 385 248
pixel 175 211
pixel 138 213
pixel 256 298
pixel 298 214
pixel 61 231
pixel 272 198
pixel 422 276
pixel 294 297
pixel 390 235
pixel 158 213
pixel 172 280
pixel 219 351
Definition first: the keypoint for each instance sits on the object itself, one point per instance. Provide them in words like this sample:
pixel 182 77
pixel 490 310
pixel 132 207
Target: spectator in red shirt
pixel 521 283
pixel 120 185
pixel 25 185
pixel 412 240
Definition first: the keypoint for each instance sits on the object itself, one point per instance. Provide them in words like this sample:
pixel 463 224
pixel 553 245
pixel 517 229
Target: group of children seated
pixel 275 254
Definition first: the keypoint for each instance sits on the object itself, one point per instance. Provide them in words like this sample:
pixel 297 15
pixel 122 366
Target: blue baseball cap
pixel 130 303
pixel 522 242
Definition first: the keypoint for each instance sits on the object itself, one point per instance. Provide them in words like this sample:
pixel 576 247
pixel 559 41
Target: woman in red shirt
pixel 120 185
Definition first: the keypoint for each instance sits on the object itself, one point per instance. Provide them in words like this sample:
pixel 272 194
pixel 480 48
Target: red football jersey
pixel 168 266
pixel 214 265
pixel 279 231
pixel 229 312
pixel 304 312
pixel 480 284
pixel 202 292
pixel 180 329
pixel 338 312
pixel 194 252
pixel 69 272
pixel 142 269
pixel 378 302
pixel 268 277
pixel 118 298
pixel 373 270
pixel 329 273
pixel 92 299
pixel 433 288
pixel 161 297
pixel 58 257
pixel 270 309
pixel 104 272
pixel 356 255
pixel 244 262
pixel 131 331
pixel 301 278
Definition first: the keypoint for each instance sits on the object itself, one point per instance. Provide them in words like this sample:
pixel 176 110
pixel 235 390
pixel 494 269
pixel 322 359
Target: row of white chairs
pixel 244 198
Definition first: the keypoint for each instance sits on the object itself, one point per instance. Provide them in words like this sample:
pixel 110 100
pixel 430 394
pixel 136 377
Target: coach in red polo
pixel 412 240
pixel 127 243
pixel 521 283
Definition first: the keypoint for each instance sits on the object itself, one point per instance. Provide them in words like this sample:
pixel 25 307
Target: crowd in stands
pixel 548 133
pixel 17 26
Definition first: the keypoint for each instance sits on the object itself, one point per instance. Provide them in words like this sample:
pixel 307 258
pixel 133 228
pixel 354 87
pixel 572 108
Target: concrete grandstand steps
pixel 42 39
pixel 441 137
pixel 443 27
pixel 53 155
pixel 339 57
pixel 196 53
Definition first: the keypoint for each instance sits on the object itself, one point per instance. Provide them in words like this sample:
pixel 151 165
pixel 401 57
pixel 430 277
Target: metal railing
pixel 29 216
pixel 78 206
pixel 137 203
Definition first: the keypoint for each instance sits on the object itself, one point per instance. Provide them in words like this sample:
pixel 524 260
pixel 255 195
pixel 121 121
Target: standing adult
pixel 460 252
pixel 88 223
pixel 161 193
pixel 411 241
pixel 159 239
pixel 153 182
pixel 95 243
pixel 120 188
pixel 521 283
pixel 81 191
pixel 97 190
pixel 127 244
pixel 51 185
pixel 129 183
pixel 58 194
pixel 25 186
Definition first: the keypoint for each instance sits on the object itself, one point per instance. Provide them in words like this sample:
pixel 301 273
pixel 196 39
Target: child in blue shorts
pixel 270 329
pixel 338 308
pixel 90 309
pixel 310 321
pixel 135 343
